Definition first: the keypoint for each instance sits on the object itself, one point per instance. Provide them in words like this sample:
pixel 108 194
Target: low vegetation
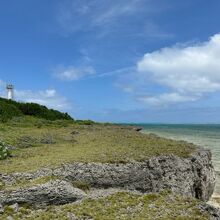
pixel 122 206
pixel 37 143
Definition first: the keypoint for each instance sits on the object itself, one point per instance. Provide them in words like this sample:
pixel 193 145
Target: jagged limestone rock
pixel 193 176
pixel 53 192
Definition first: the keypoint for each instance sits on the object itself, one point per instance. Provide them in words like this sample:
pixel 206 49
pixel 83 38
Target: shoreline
pixel 215 199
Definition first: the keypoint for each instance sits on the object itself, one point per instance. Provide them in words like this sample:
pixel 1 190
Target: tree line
pixel 10 109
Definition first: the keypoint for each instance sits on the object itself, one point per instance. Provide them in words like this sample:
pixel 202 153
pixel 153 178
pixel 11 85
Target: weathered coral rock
pixel 54 192
pixel 193 176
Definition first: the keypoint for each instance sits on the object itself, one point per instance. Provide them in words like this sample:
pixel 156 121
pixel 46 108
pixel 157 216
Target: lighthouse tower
pixel 10 91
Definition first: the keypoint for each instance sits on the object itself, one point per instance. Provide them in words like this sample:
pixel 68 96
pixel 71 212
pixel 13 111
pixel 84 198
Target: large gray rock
pixel 193 176
pixel 54 192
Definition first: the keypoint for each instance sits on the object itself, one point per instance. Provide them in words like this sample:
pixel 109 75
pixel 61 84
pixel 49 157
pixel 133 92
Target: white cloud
pixel 49 98
pixel 166 98
pixel 72 73
pixel 188 72
pixel 50 93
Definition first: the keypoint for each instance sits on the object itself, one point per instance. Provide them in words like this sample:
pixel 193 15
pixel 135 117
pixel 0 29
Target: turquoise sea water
pixel 207 136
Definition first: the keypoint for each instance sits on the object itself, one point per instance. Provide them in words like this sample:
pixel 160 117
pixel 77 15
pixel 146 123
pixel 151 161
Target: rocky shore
pixel 191 177
pixel 73 171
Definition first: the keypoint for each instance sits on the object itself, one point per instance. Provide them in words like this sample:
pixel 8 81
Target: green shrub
pixel 10 109
pixel 4 152
pixel 85 122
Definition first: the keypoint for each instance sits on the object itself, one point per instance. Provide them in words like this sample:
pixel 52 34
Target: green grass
pixel 81 185
pixel 80 143
pixel 24 183
pixel 122 206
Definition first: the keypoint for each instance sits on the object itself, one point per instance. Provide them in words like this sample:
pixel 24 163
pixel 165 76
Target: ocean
pixel 207 136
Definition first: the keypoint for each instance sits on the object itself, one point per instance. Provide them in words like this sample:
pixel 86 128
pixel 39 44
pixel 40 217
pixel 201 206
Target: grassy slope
pixel 94 143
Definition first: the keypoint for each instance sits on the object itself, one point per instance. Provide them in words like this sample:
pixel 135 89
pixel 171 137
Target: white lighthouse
pixel 10 91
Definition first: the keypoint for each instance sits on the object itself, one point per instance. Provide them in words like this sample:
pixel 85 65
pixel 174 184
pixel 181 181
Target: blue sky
pixel 114 60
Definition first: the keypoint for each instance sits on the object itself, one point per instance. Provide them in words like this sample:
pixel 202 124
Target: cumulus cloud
pixel 49 98
pixel 72 73
pixel 188 72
